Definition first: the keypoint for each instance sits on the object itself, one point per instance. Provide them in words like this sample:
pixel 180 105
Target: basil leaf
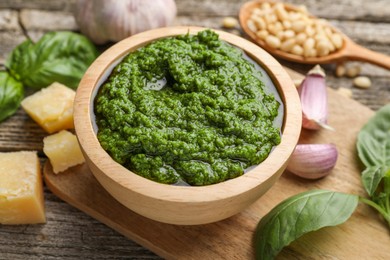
pixel 11 94
pixel 371 177
pixel 57 57
pixel 373 145
pixel 298 215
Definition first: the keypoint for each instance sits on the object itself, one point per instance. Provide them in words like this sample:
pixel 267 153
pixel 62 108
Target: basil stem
pixel 384 212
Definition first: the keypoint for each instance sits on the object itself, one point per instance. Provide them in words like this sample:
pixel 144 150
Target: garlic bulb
pixel 313 161
pixel 113 20
pixel 314 100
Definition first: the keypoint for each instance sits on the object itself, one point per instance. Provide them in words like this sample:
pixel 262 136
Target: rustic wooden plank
pixel 37 20
pixel 343 10
pixel 9 39
pixel 202 8
pixel 364 32
pixel 375 11
pixel 11 33
pixel 375 36
pixel 65 5
pixel 20 132
pixel 84 237
pixel 9 20
pixel 358 10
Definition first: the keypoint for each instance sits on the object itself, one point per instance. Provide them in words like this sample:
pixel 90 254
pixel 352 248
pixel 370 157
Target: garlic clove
pixel 313 161
pixel 314 100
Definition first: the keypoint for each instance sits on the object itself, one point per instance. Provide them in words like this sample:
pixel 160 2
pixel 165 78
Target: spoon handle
pixel 360 53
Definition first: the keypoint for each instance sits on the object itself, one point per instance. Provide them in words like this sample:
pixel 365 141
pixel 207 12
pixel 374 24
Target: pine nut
pixel 297 50
pixel 340 70
pixel 353 71
pixel 251 25
pixel 301 38
pixel 262 34
pixel 309 44
pixel 322 48
pixel 265 6
pixel 362 82
pixel 257 11
pixel 308 47
pixel 272 29
pixel 272 41
pixel 281 13
pixel 289 34
pixel 294 16
pixel 286 24
pixel 302 9
pixel 260 23
pixel 298 26
pixel 287 45
pixel 280 35
pixel 229 22
pixel 337 40
pixel 310 31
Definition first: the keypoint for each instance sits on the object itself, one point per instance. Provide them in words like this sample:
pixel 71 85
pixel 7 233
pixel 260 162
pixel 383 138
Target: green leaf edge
pixel 371 178
pixel 33 72
pixel 11 103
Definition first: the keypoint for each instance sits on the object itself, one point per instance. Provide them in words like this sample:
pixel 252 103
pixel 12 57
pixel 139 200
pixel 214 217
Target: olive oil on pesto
pixel 189 108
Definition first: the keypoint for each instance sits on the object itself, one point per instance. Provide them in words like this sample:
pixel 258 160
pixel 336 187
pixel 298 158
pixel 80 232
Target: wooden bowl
pixel 184 205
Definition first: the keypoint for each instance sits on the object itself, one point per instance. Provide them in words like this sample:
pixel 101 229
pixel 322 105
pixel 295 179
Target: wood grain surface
pixel 233 238
pixel 70 233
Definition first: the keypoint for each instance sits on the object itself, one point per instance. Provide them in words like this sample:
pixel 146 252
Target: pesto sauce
pixel 187 108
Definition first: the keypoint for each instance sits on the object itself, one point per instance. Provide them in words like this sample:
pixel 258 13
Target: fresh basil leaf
pixel 298 215
pixel 11 94
pixel 373 145
pixel 57 57
pixel 371 177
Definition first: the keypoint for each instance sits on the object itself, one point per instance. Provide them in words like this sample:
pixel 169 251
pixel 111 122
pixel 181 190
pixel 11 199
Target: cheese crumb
pixel 63 150
pixel 51 107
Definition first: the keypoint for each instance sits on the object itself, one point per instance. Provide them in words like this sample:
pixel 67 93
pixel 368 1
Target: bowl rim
pixel 95 154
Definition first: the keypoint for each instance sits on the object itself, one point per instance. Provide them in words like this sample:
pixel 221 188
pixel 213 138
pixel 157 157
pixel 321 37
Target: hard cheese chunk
pixel 51 107
pixel 21 192
pixel 63 150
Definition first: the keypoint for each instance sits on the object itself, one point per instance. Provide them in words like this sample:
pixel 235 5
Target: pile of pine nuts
pixel 353 72
pixel 293 31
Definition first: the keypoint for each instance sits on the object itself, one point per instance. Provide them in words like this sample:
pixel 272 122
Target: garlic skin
pixel 314 100
pixel 113 20
pixel 313 161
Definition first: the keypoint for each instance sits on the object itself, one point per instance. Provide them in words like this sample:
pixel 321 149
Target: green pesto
pixel 187 108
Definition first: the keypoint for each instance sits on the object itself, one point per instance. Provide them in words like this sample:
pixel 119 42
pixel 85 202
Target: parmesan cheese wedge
pixel 63 150
pixel 21 192
pixel 51 107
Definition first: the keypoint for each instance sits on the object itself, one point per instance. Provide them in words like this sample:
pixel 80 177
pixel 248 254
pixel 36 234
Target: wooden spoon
pixel 349 51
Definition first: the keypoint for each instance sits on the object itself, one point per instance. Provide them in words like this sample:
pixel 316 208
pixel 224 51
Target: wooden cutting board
pixel 363 236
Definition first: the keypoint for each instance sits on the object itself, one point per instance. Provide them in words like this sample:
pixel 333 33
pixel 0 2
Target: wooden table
pixel 70 233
